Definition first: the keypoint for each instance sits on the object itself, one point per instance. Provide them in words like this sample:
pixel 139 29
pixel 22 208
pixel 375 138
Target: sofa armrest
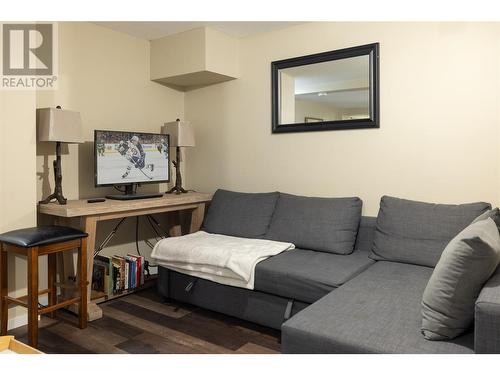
pixel 487 317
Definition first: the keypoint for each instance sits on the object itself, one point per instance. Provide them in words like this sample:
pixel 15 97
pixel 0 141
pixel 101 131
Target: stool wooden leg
pixel 33 296
pixel 82 273
pixel 4 308
pixel 52 275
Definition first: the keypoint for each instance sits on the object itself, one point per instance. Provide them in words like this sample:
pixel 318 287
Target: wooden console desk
pixel 85 216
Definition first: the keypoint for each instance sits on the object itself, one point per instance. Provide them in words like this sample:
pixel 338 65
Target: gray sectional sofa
pixel 353 284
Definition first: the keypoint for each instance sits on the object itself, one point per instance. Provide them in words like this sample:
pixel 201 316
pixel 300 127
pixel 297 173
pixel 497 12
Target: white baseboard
pixel 17 321
pixel 22 320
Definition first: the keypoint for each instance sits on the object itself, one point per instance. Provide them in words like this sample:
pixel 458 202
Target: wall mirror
pixel 326 91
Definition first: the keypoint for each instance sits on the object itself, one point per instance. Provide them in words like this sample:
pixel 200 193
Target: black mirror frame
pixel 372 50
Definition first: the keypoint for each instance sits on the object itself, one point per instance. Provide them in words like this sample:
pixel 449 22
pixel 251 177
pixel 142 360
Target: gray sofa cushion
pixel 261 308
pixel 487 317
pixel 240 214
pixel 376 312
pixel 307 275
pixel 493 214
pixel 366 231
pixel 416 232
pixel 322 224
pixel 465 265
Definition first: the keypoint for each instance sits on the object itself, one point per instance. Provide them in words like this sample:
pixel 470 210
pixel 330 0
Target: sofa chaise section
pixel 324 230
pixel 379 311
pixel 288 282
pixel 307 275
pixel 267 304
pixel 487 317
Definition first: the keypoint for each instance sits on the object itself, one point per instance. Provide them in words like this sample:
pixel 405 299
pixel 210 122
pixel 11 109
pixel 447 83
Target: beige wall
pixel 17 181
pixel 439 134
pixel 194 58
pixel 221 53
pixel 286 99
pixel 179 54
pixel 104 75
pixel 308 108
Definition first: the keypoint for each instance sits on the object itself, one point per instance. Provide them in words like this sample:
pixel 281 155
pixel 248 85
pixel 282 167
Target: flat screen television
pixel 126 159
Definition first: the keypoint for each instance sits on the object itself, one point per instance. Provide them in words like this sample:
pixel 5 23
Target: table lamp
pixel 60 126
pixel 181 135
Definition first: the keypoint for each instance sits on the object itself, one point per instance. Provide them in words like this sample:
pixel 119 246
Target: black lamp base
pixel 57 194
pixel 177 189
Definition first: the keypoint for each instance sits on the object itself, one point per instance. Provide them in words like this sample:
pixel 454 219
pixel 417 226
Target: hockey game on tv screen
pixel 127 157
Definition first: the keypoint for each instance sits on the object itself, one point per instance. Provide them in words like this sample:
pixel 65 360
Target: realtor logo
pixel 28 56
pixel 27 49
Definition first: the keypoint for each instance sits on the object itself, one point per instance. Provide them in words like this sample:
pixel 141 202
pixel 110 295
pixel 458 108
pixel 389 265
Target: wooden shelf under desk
pixel 185 215
pixel 100 297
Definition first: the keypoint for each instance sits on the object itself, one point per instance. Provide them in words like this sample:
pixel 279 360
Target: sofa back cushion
pixel 366 232
pixel 240 214
pixel 416 232
pixel 321 224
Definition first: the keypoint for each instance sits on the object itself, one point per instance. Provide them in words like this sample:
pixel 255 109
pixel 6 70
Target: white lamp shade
pixel 181 133
pixel 59 125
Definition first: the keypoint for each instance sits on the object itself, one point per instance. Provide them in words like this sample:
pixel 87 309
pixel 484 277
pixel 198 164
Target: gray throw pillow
pixel 494 214
pixel 417 232
pixel 240 214
pixel 321 224
pixel 465 265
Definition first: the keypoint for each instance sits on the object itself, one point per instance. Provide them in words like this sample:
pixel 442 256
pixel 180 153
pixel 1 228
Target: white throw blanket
pixel 223 259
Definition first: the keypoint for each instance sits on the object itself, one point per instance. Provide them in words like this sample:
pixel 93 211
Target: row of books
pixel 116 274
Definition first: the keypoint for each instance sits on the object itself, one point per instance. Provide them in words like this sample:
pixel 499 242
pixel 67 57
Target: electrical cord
pixel 151 220
pixel 137 235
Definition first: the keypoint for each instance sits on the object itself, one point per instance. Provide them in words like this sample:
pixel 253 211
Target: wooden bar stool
pixel 33 242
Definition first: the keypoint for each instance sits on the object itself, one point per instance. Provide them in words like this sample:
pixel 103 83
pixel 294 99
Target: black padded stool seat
pixel 41 235
pixel 49 240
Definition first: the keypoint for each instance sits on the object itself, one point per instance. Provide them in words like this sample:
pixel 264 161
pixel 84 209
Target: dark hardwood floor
pixel 142 323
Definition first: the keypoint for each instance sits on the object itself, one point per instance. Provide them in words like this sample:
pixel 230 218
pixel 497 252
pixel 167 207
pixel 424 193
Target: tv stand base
pixel 128 197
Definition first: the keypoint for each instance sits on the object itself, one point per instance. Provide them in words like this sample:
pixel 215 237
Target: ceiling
pixel 155 30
